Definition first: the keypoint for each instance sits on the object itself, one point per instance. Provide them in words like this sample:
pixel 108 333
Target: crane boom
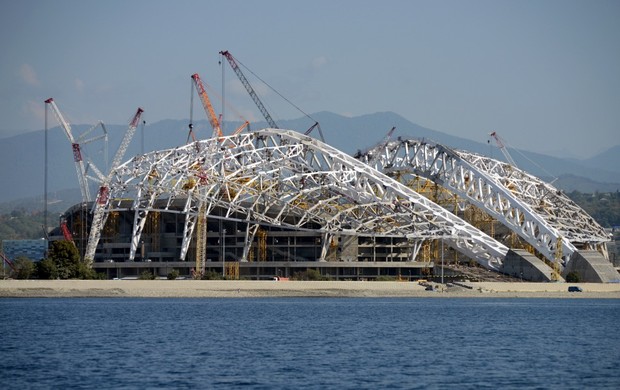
pixel 66 232
pixel 120 152
pixel 75 148
pixel 206 103
pixel 7 261
pixel 103 194
pixel 248 87
pixel 501 145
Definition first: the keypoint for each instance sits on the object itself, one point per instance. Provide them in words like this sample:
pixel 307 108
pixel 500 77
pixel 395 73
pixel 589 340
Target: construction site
pixel 274 202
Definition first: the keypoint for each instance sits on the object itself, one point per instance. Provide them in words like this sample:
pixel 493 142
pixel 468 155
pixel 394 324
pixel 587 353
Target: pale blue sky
pixel 544 74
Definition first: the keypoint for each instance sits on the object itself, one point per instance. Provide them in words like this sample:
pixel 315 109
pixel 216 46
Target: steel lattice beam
pixel 535 210
pixel 285 178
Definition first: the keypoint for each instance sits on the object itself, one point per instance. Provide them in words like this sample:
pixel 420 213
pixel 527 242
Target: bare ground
pixel 244 289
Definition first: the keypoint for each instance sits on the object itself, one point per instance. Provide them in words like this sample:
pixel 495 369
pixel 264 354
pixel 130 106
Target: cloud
pixel 28 75
pixel 319 62
pixel 79 85
pixel 34 111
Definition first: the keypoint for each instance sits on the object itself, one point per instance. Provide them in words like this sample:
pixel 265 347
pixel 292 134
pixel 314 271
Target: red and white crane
pixel 76 147
pixel 501 144
pixel 7 261
pixel 66 232
pixel 103 193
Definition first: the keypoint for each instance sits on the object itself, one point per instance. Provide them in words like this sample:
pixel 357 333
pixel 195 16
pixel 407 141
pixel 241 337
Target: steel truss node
pixel 539 213
pixel 284 178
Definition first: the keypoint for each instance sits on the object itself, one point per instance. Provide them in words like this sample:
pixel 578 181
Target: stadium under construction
pixel 271 203
pixel 274 202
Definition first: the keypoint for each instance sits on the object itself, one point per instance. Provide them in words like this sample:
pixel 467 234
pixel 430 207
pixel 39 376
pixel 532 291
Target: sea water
pixel 310 343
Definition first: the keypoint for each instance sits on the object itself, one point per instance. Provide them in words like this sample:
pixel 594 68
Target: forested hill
pixel 603 207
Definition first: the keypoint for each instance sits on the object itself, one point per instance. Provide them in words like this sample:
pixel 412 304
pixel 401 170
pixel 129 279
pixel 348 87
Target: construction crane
pixel 259 104
pixel 66 232
pixel 201 223
pixel 248 87
pixel 317 126
pixel 76 147
pixel 7 261
pixel 120 152
pixel 206 103
pixel 103 193
pixel 376 150
pixel 502 146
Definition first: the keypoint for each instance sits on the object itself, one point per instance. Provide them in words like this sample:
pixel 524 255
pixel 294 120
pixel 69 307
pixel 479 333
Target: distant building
pixel 32 249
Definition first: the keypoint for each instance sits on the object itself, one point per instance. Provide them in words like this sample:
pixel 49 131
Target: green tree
pixel 82 271
pixel 172 275
pixel 67 260
pixel 212 275
pixel 24 268
pixel 146 275
pixel 309 274
pixel 46 269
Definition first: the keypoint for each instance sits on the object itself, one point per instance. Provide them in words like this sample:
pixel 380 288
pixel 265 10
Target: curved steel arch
pixel 535 210
pixel 285 178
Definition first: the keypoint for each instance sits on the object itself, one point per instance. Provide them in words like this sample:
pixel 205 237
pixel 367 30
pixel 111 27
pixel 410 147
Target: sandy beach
pixel 245 289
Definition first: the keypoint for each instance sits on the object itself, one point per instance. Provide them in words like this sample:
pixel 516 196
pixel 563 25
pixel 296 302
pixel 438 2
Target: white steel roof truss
pixel 254 174
pixel 512 199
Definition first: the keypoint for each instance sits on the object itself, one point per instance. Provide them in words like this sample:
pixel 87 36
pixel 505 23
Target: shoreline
pixel 264 289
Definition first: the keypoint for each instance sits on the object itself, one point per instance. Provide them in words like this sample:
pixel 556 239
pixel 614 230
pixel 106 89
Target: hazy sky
pixel 544 74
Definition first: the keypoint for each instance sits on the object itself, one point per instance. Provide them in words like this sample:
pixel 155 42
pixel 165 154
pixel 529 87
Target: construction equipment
pixel 201 240
pixel 206 103
pixel 377 149
pixel 241 128
pixel 248 87
pixel 66 232
pixel 120 152
pixel 7 261
pixel 502 146
pixel 76 147
pixel 259 104
pixel 103 193
pixel 317 126
pixel 201 225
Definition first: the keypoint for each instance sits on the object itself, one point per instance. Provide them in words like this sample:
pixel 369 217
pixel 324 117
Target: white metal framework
pixel 539 213
pixel 99 216
pixel 76 147
pixel 284 178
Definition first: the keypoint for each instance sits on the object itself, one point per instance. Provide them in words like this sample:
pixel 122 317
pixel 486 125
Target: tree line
pixel 62 262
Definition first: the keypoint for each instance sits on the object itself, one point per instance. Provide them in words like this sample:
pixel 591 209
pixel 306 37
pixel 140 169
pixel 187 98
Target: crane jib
pixel 77 154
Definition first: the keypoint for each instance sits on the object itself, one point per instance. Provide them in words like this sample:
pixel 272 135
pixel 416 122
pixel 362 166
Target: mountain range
pixel 22 157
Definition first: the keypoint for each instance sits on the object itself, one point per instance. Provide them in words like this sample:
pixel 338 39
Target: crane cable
pixel 282 96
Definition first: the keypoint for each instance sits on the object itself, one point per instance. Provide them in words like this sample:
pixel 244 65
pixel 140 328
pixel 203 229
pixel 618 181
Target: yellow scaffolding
pixel 201 241
pixel 232 270
pixel 262 244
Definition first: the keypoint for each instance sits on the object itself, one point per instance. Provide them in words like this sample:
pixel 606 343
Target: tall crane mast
pixel 77 153
pixel 502 146
pixel 206 103
pixel 103 193
pixel 248 87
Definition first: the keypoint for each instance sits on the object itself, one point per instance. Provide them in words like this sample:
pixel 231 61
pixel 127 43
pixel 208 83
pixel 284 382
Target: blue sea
pixel 310 343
